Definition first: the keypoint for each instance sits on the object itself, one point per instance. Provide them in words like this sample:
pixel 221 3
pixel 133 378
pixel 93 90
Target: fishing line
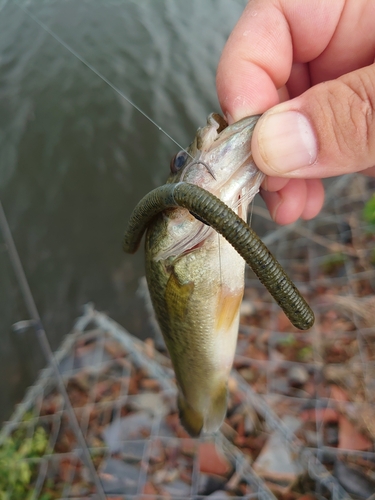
pixel 98 73
pixel 251 212
pixel 221 275
pixel 44 343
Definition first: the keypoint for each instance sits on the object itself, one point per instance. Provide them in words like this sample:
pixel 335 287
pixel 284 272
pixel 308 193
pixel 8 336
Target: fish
pixel 195 277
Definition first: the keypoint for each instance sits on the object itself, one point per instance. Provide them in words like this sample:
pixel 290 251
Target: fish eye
pixel 178 161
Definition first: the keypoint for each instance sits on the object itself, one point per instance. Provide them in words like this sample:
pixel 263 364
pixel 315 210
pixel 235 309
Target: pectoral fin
pixel 227 309
pixel 177 297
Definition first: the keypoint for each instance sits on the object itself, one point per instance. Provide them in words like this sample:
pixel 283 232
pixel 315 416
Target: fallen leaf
pixel 350 438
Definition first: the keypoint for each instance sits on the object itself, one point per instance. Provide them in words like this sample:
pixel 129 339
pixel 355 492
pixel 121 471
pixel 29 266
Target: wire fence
pixel 300 421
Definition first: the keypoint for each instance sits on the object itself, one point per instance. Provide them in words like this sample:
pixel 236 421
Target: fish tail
pixel 209 420
pixel 191 419
pixel 217 409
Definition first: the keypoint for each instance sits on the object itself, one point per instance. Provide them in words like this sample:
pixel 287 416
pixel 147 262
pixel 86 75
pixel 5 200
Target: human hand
pixel 316 58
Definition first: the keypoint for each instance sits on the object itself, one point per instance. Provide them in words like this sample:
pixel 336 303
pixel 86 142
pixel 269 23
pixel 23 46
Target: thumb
pixel 326 131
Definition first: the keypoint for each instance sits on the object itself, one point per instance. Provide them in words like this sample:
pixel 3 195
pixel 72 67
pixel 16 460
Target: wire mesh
pixel 124 396
pixel 324 376
pixel 300 422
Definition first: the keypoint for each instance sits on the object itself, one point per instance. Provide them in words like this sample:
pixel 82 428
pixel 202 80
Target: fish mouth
pixel 223 165
pixel 191 240
pixel 237 192
pixel 232 177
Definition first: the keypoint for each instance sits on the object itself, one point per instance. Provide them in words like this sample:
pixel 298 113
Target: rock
pixel 247 308
pixel 280 385
pixel 151 402
pixel 345 232
pixel 331 434
pixel 297 375
pixel 157 453
pixel 134 426
pixel 248 374
pixel 133 450
pixel 220 495
pixel 178 488
pixel 86 355
pixel 276 461
pixel 149 384
pixel 209 483
pixel 118 477
pixel 353 480
pixel 311 437
pixel 250 421
pixel 165 476
pixel 165 430
pixel 212 460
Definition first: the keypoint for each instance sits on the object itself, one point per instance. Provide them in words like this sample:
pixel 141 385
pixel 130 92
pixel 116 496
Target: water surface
pixel 75 157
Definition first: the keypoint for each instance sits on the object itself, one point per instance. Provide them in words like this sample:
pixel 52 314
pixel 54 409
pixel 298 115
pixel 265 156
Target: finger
pixel 258 56
pixel 310 205
pixel 283 93
pixel 299 80
pixel 286 205
pixel 369 171
pixel 274 183
pixel 346 53
pixel 329 130
pixel 314 199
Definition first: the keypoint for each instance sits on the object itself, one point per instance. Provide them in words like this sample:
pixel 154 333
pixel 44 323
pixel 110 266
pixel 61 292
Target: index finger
pixel 270 36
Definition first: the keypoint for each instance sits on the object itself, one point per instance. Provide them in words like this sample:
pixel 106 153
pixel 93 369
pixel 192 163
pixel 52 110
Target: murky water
pixel 75 157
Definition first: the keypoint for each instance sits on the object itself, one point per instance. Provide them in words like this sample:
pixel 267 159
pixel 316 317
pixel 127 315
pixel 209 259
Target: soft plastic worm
pixel 239 234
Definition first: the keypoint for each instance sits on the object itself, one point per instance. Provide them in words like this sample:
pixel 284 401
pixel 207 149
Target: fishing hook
pixel 197 162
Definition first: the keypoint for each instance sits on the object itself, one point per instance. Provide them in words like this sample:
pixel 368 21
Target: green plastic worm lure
pixel 213 212
pixel 195 276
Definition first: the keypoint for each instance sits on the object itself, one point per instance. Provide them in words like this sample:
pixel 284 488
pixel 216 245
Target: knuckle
pixel 358 127
pixel 347 118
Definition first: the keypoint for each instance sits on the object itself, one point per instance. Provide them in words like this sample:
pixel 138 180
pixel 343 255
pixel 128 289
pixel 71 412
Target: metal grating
pixel 301 412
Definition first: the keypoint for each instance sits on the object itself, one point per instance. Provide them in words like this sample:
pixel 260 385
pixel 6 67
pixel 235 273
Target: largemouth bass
pixel 196 278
